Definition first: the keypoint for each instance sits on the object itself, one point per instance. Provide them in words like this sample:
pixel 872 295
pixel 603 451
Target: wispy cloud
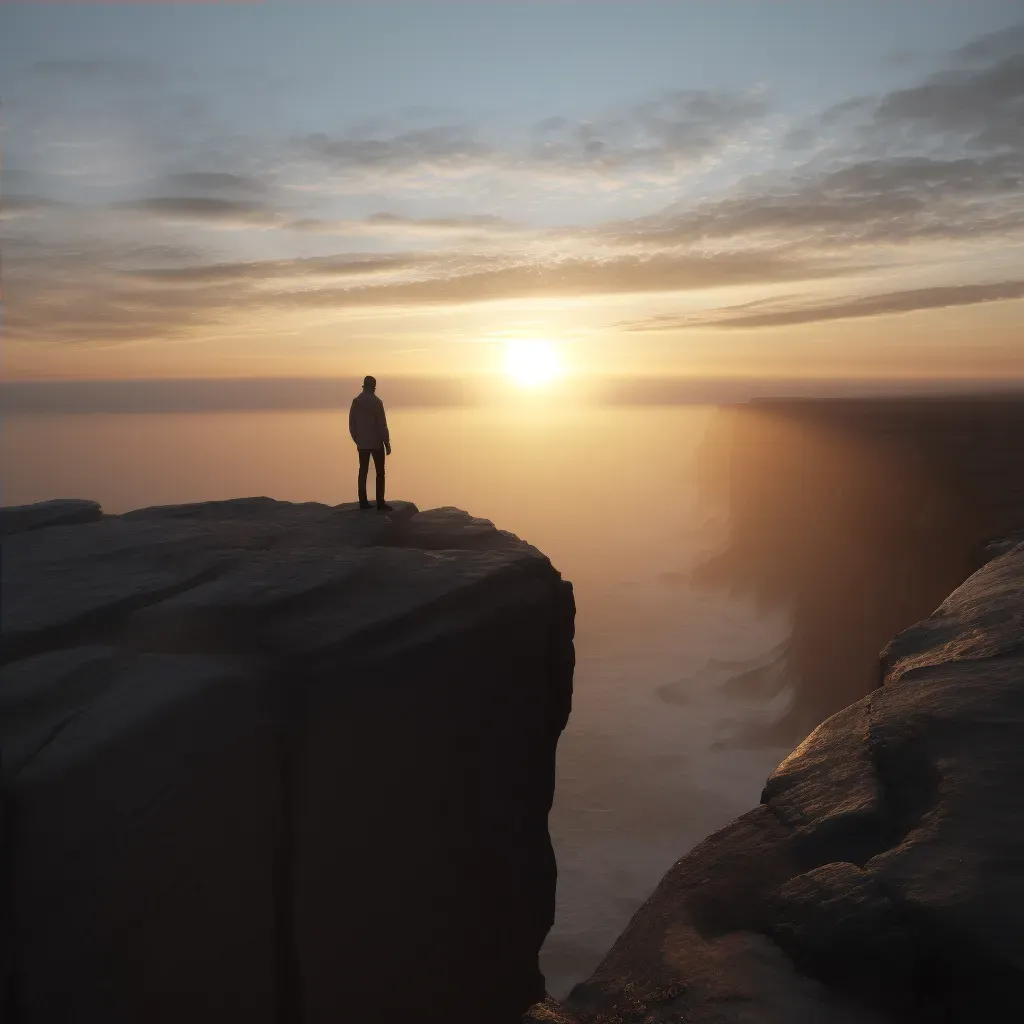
pixel 442 148
pixel 574 277
pixel 674 127
pixel 661 132
pixel 942 160
pixel 81 300
pixel 301 270
pixel 205 210
pixel 391 225
pixel 992 46
pixel 220 212
pixel 886 303
pixel 15 204
pixel 217 182
pixel 890 200
pixel 982 107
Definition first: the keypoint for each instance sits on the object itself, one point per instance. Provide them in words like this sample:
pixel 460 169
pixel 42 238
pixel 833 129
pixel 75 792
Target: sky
pixel 699 188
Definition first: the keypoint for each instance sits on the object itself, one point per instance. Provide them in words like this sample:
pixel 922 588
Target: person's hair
pixel 369 382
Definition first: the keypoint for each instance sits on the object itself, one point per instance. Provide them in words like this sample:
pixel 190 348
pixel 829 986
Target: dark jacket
pixel 367 423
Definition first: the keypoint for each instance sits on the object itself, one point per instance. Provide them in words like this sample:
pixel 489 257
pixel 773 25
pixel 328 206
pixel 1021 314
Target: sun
pixel 532 363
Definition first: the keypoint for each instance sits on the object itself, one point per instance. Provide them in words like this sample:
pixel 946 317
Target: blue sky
pixel 246 187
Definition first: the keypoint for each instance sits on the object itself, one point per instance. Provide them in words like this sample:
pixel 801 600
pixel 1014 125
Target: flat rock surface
pixel 882 877
pixel 68 582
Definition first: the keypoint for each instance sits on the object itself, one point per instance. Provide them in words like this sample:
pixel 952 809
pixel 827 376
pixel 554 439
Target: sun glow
pixel 532 363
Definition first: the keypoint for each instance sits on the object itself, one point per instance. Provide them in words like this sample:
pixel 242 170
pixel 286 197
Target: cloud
pixel 222 212
pixel 985 107
pixel 908 301
pixel 480 278
pixel 683 125
pixel 895 200
pixel 941 160
pixel 438 148
pixel 661 132
pixel 475 222
pixel 214 181
pixel 205 210
pixel 167 254
pixel 571 278
pixel 384 225
pixel 14 204
pixel 977 102
pixel 1006 42
pixel 887 303
pixel 79 298
pixel 352 265
pixel 819 129
pixel 80 301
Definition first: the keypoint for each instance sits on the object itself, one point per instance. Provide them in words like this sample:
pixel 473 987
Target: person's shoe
pixel 385 508
pixel 364 505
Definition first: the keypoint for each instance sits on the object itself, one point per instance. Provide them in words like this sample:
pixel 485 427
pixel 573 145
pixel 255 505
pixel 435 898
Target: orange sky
pixel 170 213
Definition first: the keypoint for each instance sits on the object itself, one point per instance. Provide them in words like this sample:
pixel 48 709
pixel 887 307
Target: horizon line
pixel 254 394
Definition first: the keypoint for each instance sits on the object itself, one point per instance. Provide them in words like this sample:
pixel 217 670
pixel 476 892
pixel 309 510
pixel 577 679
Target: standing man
pixel 369 429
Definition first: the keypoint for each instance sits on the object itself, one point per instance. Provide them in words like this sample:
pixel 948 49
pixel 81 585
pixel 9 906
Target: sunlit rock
pixel 882 877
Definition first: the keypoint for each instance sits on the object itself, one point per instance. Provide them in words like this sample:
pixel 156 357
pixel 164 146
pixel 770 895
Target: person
pixel 368 426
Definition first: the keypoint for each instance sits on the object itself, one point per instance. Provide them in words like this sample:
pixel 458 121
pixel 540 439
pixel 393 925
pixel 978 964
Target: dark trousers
pixel 364 468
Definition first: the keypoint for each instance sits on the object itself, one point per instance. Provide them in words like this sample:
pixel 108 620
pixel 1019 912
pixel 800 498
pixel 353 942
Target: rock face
pixel 56 512
pixel 882 876
pixel 276 762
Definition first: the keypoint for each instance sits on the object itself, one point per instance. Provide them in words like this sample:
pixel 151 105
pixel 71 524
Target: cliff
pixel 857 516
pixel 276 762
pixel 882 876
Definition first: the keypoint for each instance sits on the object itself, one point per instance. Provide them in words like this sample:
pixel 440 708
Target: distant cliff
pixel 881 879
pixel 276 762
pixel 855 518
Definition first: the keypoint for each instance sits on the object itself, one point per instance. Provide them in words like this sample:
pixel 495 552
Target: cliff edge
pixel 882 876
pixel 276 762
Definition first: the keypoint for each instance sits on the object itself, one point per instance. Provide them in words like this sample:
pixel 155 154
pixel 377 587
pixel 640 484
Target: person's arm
pixel 352 420
pixel 384 427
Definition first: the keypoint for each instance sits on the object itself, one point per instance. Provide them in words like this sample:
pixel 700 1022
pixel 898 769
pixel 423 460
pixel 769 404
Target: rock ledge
pixel 266 761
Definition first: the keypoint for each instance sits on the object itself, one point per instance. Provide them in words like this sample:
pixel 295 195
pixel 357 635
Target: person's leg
pixel 378 466
pixel 364 467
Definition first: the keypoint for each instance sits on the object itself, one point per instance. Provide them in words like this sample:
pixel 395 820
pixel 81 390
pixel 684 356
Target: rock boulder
pixel 882 876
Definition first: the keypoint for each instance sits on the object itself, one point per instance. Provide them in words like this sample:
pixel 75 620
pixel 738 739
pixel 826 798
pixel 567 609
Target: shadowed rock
pixel 269 762
pixel 56 512
pixel 882 876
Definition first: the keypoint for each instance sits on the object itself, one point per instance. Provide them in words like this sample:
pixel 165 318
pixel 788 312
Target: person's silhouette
pixel 369 429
